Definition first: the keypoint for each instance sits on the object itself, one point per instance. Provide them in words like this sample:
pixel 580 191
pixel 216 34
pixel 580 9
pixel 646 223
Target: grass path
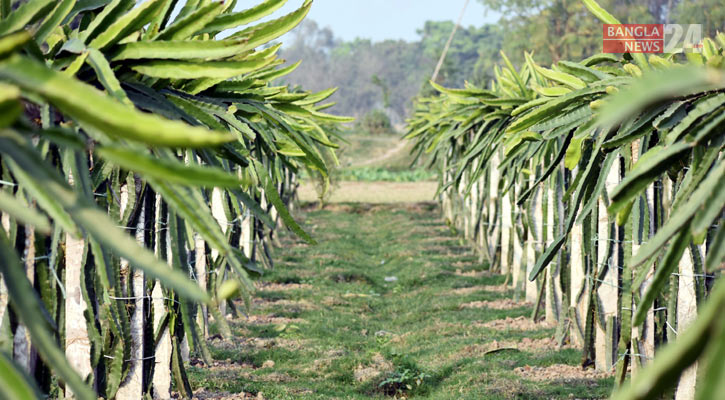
pixel 389 151
pixel 388 297
pixel 383 157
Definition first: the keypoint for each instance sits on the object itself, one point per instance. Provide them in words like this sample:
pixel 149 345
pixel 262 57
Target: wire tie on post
pixel 670 326
pixel 694 275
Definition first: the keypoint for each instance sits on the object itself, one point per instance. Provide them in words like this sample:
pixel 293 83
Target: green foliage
pixel 403 381
pixel 557 30
pixel 375 122
pixel 384 88
pixel 381 174
pixel 339 337
pixel 575 118
pixel 708 13
pixel 395 67
pixel 473 52
pixel 552 30
pixel 118 119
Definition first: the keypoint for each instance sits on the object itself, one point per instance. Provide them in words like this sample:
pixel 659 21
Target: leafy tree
pixel 709 13
pixel 352 65
pixel 399 68
pixel 561 29
pixel 385 89
pixel 472 55
pixel 375 122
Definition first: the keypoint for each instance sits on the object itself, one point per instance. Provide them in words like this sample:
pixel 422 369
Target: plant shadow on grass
pixel 353 277
pixel 286 280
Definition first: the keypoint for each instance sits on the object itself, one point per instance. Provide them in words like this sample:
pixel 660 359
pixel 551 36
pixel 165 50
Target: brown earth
pixel 518 323
pixel 503 304
pixel 560 372
pixel 476 289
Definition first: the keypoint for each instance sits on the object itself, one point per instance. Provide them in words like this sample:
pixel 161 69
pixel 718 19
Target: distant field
pixel 376 169
pixel 374 192
pixel 382 174
pixel 386 151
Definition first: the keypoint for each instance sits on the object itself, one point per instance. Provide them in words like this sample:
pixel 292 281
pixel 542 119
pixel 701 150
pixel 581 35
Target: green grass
pixel 381 174
pixel 345 316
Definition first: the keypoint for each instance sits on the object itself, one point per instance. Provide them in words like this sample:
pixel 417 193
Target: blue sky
pixel 385 19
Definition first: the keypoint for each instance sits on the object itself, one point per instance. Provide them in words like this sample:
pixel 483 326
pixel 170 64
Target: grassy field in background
pixel 389 304
pixel 384 174
pixel 379 158
pixel 373 192
pixel 375 169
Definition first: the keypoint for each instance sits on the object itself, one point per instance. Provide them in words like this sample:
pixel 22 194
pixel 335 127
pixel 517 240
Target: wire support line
pixel 606 283
pixel 694 275
pixel 645 356
pixel 23 259
pixel 596 239
pixel 670 326
pixel 143 297
pixel 130 359
pixel 127 228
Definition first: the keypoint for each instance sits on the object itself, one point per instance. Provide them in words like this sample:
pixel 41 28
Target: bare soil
pixel 518 323
pixel 378 366
pixel 560 372
pixel 525 344
pixel 502 304
pixel 281 287
pixel 202 394
pixel 471 274
pixel 272 319
pixel 476 289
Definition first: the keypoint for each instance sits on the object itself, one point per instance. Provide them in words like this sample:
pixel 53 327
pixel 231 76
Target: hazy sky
pixel 385 19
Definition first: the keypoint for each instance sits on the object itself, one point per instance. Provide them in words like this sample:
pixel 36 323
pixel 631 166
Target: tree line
pixel 374 76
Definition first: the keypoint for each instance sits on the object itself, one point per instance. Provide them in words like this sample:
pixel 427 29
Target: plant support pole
pixel 448 43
